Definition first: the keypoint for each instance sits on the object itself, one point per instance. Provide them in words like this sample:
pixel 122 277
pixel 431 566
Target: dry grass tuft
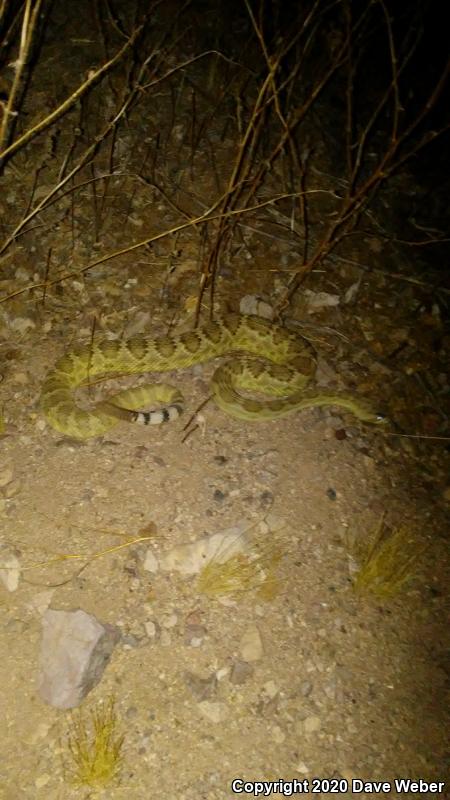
pixel 255 571
pixel 387 560
pixel 95 747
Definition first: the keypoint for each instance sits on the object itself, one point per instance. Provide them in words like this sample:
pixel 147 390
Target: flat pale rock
pixel 75 650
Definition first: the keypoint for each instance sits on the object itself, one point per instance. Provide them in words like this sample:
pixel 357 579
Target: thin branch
pixel 207 216
pixel 70 101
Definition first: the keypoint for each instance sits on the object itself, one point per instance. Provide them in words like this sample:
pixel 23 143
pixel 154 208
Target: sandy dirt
pixel 339 685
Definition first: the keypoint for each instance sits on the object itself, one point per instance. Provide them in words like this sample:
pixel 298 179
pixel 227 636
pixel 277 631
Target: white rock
pixel 75 650
pixel 42 780
pixel 151 563
pixel 270 690
pixel 222 673
pixel 9 567
pixel 251 646
pixel 22 324
pixel 318 300
pixel 312 724
pixel 150 629
pixel 169 621
pixel 41 601
pixel 189 559
pixel 252 304
pixel 278 735
pixel 214 711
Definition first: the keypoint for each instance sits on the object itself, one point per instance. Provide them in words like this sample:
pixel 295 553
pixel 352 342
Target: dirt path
pixel 293 674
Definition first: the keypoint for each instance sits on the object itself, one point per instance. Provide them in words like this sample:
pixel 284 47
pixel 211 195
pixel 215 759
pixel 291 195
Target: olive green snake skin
pixel 282 369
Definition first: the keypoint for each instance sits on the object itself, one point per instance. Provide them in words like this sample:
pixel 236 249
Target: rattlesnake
pixel 284 373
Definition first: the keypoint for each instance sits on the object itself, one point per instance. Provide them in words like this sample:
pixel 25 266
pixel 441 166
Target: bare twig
pixel 70 101
pixel 29 24
pixel 208 216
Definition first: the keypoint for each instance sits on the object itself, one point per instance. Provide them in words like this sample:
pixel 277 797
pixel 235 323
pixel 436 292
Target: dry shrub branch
pixel 281 89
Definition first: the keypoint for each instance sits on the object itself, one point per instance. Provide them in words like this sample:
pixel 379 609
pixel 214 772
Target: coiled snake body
pixel 283 369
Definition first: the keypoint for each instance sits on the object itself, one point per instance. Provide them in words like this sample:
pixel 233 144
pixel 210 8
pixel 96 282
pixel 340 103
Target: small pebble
pixel 278 735
pixel 251 646
pixel 150 629
pixel 6 476
pixel 42 780
pixel 169 621
pixel 215 712
pixel 240 672
pixel 312 724
pixel 151 562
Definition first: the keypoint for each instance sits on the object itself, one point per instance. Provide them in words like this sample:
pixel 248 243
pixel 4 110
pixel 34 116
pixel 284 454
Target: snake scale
pixel 282 369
